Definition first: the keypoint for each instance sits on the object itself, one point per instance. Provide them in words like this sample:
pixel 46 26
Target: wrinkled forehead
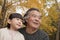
pixel 36 13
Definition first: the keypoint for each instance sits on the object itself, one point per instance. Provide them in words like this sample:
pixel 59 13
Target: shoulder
pixel 19 35
pixel 3 29
pixel 43 34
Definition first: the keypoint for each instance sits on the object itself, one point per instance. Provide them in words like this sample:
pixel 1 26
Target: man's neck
pixel 31 30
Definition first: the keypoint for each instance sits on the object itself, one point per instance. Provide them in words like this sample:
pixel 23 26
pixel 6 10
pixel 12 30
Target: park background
pixel 50 10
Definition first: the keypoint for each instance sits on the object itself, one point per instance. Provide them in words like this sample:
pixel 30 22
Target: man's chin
pixel 35 27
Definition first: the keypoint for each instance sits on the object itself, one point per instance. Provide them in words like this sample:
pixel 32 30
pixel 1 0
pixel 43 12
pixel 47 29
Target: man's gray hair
pixel 27 14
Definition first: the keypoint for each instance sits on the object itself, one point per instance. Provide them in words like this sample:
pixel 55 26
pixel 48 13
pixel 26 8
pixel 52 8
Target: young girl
pixel 10 32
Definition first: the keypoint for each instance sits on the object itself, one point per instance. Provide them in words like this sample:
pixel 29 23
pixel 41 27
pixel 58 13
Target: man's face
pixel 15 23
pixel 34 19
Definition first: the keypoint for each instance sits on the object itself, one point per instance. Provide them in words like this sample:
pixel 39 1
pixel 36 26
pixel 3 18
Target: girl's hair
pixel 27 14
pixel 14 15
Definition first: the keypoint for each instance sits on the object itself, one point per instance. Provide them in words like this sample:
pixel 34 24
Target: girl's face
pixel 15 23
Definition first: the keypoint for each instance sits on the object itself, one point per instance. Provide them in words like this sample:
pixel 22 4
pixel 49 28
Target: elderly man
pixel 32 21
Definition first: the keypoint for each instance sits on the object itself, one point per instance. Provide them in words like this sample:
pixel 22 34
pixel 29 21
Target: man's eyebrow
pixel 41 16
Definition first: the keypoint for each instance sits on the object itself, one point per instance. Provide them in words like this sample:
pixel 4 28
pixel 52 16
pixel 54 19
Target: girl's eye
pixel 17 18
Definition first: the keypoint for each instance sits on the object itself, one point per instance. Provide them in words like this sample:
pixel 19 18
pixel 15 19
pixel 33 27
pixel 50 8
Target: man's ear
pixel 26 20
pixel 9 21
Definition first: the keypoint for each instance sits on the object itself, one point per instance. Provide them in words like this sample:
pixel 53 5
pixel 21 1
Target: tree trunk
pixel 3 12
pixel 58 31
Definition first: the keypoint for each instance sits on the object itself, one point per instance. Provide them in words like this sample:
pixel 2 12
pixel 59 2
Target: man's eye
pixel 33 15
pixel 39 17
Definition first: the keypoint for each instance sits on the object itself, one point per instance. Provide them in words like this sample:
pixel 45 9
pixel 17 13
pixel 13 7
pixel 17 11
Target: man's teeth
pixel 35 22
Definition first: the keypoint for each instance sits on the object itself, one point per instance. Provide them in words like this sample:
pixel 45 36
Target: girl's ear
pixel 9 21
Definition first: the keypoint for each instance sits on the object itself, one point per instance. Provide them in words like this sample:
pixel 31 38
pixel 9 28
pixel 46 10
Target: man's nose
pixel 37 19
